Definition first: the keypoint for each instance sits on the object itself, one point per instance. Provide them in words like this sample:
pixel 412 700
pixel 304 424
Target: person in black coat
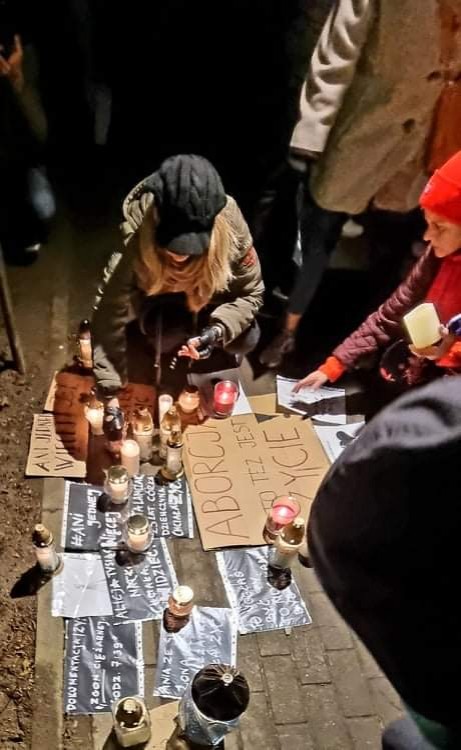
pixel 384 537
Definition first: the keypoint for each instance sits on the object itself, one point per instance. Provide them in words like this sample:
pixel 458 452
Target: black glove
pixel 208 339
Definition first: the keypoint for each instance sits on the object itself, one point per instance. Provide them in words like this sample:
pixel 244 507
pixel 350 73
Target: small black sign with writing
pixel 139 585
pixel 102 664
pixel 91 521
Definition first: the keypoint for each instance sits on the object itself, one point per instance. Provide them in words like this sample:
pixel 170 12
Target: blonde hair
pixel 199 278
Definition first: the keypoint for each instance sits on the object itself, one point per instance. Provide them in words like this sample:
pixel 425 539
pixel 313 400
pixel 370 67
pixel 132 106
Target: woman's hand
pixel 11 68
pixel 190 349
pixel 437 350
pixel 313 381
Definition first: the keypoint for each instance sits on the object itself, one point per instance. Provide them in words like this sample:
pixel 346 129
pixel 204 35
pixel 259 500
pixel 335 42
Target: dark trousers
pixel 320 231
pixel 403 734
pixel 26 208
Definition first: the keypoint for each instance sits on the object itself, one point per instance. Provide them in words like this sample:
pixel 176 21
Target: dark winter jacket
pixel 384 535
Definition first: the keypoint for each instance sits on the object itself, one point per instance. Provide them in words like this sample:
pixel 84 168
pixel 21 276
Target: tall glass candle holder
pixel 224 397
pixel 283 511
pixel 94 412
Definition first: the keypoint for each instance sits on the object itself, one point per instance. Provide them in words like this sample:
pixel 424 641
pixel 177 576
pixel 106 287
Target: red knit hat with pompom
pixel 442 194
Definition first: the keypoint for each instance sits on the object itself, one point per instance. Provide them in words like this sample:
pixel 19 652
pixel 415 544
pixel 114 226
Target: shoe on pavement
pixel 351 230
pixel 273 354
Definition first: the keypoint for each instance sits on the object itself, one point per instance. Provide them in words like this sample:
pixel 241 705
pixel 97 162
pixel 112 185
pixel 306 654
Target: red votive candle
pixel 225 395
pixel 284 510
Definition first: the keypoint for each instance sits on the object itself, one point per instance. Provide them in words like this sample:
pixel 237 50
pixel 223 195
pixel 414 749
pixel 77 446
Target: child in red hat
pixel 435 278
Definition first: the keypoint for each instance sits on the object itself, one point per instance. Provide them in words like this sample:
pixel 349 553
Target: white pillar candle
pixel 95 416
pixel 165 402
pixel 423 325
pixel 129 456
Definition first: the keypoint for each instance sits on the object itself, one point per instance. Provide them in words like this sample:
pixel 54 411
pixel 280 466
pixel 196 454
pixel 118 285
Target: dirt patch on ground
pixel 20 508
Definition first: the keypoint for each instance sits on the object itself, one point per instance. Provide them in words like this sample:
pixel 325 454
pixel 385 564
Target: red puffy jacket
pixel 431 279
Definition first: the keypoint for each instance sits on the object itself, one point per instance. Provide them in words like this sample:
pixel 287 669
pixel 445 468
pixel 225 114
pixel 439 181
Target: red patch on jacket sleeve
pixel 250 258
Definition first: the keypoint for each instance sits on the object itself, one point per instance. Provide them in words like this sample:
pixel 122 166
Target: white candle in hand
pixel 423 325
pixel 129 456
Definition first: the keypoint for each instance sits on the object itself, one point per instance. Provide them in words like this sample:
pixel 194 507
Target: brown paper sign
pixel 68 393
pixel 58 446
pixel 297 455
pixel 233 480
pixel 237 467
pixel 135 396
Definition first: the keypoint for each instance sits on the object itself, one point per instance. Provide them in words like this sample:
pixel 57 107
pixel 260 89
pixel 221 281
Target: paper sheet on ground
pixel 205 383
pixel 257 605
pixel 80 589
pixel 335 439
pixel 210 637
pixel 139 585
pixel 102 664
pixel 326 405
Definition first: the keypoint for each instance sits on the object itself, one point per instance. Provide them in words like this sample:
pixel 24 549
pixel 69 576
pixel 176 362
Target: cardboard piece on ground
pixel 162 726
pixel 297 455
pixel 68 393
pixel 58 446
pixel 232 479
pixel 264 404
pixel 236 467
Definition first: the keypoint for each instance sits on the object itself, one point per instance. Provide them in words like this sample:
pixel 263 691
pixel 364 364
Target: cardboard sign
pixel 236 468
pixel 257 605
pixel 68 393
pixel 232 479
pixel 297 456
pixel 210 637
pixel 135 396
pixel 89 522
pixel 58 446
pixel 139 585
pixel 102 664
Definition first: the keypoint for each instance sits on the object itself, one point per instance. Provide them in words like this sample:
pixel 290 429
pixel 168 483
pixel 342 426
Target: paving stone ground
pixel 315 689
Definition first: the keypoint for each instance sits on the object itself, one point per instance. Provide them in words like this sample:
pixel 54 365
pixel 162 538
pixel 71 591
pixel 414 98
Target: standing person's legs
pixel 403 734
pixel 320 232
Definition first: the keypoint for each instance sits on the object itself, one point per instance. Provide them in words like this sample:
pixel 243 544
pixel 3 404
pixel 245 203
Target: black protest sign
pixel 257 605
pixel 167 506
pixel 102 664
pixel 91 521
pixel 88 523
pixel 210 637
pixel 139 585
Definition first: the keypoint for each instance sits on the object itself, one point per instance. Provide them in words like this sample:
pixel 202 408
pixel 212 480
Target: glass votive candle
pixel 225 395
pixel 117 484
pixel 189 399
pixel 138 533
pixel 130 456
pixel 284 510
pixel 94 412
